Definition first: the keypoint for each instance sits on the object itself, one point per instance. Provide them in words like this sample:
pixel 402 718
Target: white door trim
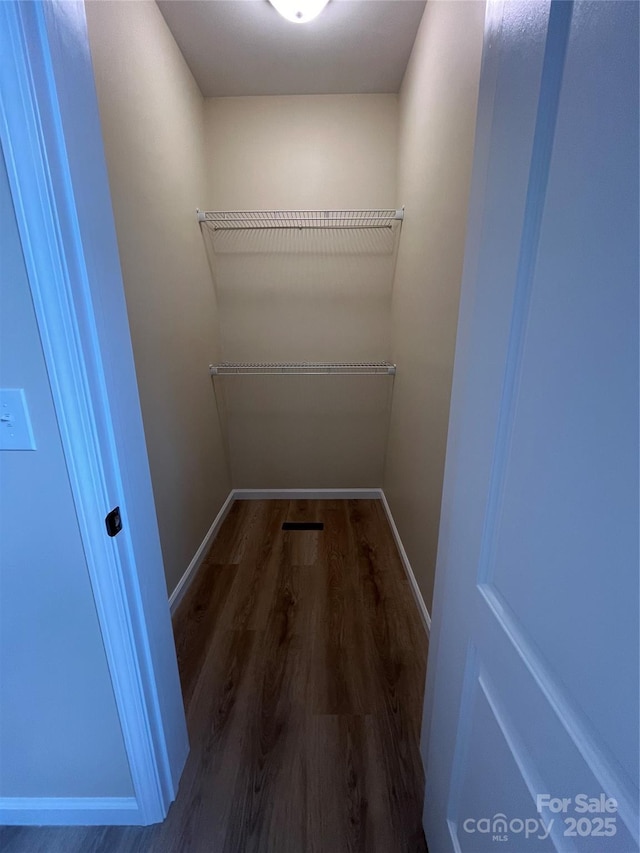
pixel 44 187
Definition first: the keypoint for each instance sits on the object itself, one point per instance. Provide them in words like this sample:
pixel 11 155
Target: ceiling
pixel 244 47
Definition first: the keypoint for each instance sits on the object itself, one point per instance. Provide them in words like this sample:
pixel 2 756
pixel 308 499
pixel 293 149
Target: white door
pixel 530 735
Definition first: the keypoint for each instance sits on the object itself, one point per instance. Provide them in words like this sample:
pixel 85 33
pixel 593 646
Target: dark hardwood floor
pixel 302 659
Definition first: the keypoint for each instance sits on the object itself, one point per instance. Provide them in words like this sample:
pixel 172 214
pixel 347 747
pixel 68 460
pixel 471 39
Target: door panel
pixel 533 673
pixel 491 743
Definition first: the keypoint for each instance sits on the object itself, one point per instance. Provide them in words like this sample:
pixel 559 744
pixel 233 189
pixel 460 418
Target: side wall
pixel 60 734
pixel 304 296
pixel 438 102
pixel 152 119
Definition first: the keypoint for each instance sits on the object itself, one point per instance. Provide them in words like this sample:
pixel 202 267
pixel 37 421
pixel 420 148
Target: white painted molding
pixel 183 584
pixel 422 607
pixel 305 494
pixel 47 77
pixel 69 811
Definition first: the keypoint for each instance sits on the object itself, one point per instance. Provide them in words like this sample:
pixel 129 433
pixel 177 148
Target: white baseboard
pixel 178 593
pixel 306 494
pixel 422 607
pixel 69 811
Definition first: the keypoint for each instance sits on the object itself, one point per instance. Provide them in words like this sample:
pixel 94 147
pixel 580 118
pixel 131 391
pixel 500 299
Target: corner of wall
pixel 152 115
pixel 436 128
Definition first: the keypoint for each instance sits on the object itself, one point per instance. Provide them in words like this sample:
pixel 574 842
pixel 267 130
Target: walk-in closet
pixel 292 258
pixel 300 298
pixel 289 204
pixel 311 237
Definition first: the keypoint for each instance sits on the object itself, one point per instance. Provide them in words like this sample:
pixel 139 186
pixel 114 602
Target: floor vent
pixel 303 525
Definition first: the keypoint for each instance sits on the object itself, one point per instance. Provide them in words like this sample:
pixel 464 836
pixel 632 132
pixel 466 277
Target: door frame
pixel 51 138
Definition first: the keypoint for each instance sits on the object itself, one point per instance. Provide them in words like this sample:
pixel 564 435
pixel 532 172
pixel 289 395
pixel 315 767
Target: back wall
pixel 303 296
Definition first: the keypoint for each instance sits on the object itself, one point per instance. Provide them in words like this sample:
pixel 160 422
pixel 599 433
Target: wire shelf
pixel 234 220
pixel 302 368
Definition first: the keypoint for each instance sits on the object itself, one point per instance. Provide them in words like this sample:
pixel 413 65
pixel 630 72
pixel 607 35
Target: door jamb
pixel 45 180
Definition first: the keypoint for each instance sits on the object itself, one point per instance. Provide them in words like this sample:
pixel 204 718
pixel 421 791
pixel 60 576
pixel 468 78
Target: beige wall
pixel 438 104
pixel 301 151
pixel 303 296
pixel 153 128
pixel 290 295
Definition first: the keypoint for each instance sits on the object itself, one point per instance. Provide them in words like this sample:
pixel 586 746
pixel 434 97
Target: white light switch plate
pixel 15 424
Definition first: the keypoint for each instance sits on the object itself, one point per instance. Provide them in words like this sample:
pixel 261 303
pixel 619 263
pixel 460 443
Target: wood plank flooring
pixel 302 659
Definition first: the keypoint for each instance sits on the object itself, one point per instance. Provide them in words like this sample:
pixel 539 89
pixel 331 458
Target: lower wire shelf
pixel 302 368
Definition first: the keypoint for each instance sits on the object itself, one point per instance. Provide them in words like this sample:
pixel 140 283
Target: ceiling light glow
pixel 299 11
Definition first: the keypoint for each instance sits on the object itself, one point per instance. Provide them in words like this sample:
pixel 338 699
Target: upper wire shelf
pixel 234 220
pixel 234 368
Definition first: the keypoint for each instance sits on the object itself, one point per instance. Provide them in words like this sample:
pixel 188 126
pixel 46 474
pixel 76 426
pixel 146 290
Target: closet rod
pixel 234 220
pixel 303 368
